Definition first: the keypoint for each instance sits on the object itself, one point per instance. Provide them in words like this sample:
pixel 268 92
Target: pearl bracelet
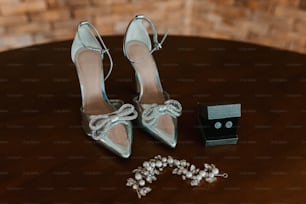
pixel 150 169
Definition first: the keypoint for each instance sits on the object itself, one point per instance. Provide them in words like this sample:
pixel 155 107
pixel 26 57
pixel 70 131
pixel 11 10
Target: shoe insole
pixel 147 71
pixel 90 71
pixel 152 90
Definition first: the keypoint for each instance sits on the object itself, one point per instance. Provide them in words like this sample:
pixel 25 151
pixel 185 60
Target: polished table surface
pixel 46 158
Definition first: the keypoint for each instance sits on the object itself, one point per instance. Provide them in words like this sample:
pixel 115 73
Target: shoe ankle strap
pixel 156 44
pixel 94 32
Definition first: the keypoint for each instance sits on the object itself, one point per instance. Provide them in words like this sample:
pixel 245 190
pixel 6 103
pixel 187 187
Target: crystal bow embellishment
pixel 100 125
pixel 152 111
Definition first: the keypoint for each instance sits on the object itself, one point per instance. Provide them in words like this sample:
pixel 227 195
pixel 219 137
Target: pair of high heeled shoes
pixel 109 121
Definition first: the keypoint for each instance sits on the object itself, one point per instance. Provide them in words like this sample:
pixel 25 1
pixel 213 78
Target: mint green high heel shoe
pixel 106 121
pixel 157 112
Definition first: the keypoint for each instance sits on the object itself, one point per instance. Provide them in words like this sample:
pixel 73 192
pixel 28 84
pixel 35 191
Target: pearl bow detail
pixel 100 125
pixel 152 111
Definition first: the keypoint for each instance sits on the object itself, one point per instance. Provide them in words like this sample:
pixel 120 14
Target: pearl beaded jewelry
pixel 150 169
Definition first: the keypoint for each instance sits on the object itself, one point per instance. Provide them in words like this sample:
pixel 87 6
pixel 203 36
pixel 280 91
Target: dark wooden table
pixel 46 158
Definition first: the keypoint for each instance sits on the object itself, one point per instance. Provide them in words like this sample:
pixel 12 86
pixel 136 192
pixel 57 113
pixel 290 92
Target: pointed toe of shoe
pixel 119 140
pixel 172 143
pixel 168 139
pixel 167 130
pixel 125 153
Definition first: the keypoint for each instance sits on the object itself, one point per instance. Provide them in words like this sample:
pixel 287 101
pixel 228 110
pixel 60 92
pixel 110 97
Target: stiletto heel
pixel 106 121
pixel 157 112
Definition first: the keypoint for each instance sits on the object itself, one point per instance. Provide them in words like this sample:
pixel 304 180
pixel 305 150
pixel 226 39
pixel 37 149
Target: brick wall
pixel 277 23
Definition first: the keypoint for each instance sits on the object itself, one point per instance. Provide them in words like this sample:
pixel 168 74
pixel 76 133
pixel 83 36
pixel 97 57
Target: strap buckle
pixel 156 44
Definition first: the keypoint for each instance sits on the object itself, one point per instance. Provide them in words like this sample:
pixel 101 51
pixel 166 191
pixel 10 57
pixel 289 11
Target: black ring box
pixel 218 123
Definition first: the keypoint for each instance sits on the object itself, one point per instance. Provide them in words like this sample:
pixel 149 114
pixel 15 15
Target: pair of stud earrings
pixel 228 124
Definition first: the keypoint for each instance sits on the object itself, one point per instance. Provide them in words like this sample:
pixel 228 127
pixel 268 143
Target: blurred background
pixel 275 23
